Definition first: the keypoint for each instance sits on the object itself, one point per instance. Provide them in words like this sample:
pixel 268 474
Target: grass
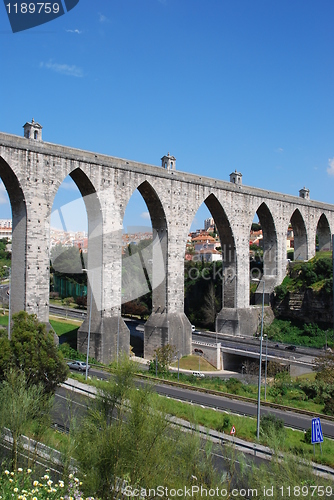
pixel 64 327
pixel 193 363
pixel 245 427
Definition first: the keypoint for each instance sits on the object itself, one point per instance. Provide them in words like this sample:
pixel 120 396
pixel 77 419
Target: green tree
pixel 32 350
pixel 324 366
pixel 128 436
pixel 211 306
pixel 163 356
pixel 21 405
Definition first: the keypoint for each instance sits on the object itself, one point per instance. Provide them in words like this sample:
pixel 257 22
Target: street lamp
pixel 265 371
pixel 9 295
pixel 90 318
pixel 199 352
pixel 260 365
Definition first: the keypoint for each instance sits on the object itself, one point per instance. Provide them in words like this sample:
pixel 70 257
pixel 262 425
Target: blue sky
pixel 221 84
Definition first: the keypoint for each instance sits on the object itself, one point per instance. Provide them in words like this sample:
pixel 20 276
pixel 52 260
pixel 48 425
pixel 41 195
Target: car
pixel 193 328
pixel 198 374
pixel 290 348
pixel 77 365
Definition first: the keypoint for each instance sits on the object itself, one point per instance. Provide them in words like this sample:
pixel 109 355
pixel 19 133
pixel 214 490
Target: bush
pixel 270 423
pixel 233 385
pixel 68 300
pixel 226 424
pixel 308 436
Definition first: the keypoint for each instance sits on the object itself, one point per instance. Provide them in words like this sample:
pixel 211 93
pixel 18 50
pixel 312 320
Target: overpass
pixel 32 171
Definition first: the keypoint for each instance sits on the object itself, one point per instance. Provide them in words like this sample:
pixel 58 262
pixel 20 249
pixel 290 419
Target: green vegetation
pixel 5 258
pixel 203 292
pixel 22 403
pixel 23 484
pixel 299 333
pixel 272 433
pixel 317 274
pixel 32 350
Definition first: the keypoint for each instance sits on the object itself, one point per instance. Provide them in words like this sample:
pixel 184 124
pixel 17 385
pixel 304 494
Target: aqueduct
pixel 32 171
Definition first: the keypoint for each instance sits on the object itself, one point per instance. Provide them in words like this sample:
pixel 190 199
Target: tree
pixel 20 405
pixel 32 350
pixel 324 366
pixel 163 356
pixel 139 446
pixel 210 308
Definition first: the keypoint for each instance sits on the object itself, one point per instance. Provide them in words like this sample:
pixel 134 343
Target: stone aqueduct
pixel 32 171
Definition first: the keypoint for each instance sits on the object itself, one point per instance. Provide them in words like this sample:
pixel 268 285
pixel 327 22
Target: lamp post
pixel 118 312
pixel 199 352
pixel 90 318
pixel 260 365
pixel 9 295
pixel 265 371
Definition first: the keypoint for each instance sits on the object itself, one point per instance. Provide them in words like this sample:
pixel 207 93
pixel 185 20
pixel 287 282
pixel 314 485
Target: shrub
pixel 308 436
pixel 233 385
pixel 270 423
pixel 226 424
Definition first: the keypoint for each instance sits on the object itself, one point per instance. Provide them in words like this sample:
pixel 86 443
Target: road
pixel 290 419
pixel 245 343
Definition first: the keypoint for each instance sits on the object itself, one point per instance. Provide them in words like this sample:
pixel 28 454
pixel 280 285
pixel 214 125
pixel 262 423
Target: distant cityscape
pixel 202 244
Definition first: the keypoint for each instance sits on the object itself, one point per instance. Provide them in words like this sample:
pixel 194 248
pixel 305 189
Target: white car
pixel 78 365
pixel 193 328
pixel 198 374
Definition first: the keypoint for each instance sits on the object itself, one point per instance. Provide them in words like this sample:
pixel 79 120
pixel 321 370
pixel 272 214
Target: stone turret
pixel 33 130
pixel 168 162
pixel 236 177
pixel 304 193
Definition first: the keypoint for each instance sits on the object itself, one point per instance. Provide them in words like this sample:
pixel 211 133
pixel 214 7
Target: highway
pixel 249 344
pixel 234 406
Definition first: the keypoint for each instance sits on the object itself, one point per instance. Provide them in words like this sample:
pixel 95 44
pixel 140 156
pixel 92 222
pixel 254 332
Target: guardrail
pixel 247 447
pixel 228 395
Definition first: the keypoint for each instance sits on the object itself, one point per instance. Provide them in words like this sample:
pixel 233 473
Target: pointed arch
pixel 159 248
pixel 151 265
pixel 299 236
pixel 229 272
pixel 269 240
pixel 19 236
pixel 324 234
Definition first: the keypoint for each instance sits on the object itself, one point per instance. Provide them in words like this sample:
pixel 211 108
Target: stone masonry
pixel 32 171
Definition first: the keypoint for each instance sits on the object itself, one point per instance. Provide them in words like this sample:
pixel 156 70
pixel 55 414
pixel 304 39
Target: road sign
pixel 316 436
pixel 232 430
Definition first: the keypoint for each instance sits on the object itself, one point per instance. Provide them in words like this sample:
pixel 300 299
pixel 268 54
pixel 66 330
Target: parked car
pixel 291 348
pixel 77 365
pixel 193 328
pixel 198 374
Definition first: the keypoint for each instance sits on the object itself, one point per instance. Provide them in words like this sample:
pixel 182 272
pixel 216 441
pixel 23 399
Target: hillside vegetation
pixel 303 304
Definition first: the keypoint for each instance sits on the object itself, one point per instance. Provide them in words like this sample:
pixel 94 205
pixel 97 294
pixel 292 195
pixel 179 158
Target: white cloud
pixel 145 215
pixel 69 185
pixel 76 31
pixel 103 18
pixel 279 150
pixel 330 169
pixel 64 69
